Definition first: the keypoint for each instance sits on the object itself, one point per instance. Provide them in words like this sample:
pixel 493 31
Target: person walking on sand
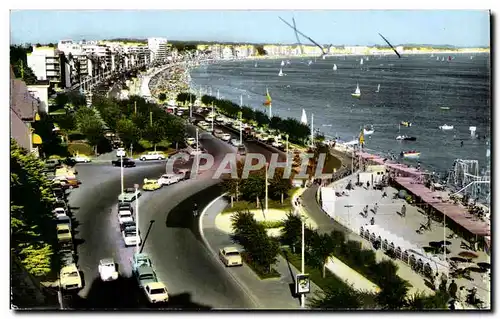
pixel 365 211
pixel 452 289
pixel 403 210
pixel 375 208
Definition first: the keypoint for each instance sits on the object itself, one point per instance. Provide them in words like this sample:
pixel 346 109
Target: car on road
pixel 151 185
pixel 107 269
pixel 230 256
pixel 130 236
pixel 59 212
pixel 70 278
pixel 128 195
pixel 156 292
pixel 226 137
pixel 125 206
pixel 63 233
pixel 242 150
pixel 63 220
pixel 120 152
pixel 145 275
pixel 277 144
pixel 81 159
pixel 235 142
pixel 168 179
pixel 127 162
pixel 67 257
pixel 140 260
pixel 125 216
pixel 152 156
pixel 190 141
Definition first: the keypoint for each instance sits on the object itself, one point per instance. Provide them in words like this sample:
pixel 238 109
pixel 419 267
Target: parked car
pixel 156 292
pixel 127 162
pixel 130 236
pixel 151 185
pixel 242 150
pixel 230 256
pixel 140 260
pixel 70 278
pixel 125 206
pixel 145 275
pixel 67 182
pixel 190 141
pixel 107 269
pixel 63 233
pixel 235 142
pixel 53 164
pixel 125 216
pixel 152 156
pixel 128 195
pixel 63 220
pixel 82 159
pixel 219 133
pixel 126 224
pixel 59 212
pixel 67 257
pixel 168 179
pixel 226 137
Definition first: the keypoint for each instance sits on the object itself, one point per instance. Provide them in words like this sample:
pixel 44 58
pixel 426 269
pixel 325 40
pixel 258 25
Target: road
pixel 193 277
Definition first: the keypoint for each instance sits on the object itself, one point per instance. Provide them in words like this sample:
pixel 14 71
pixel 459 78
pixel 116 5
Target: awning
pixel 37 140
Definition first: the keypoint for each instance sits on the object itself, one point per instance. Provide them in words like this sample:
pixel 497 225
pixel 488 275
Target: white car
pixel 82 159
pixel 168 179
pixel 107 270
pixel 156 292
pixel 152 156
pixel 195 152
pixel 277 143
pixel 235 142
pixel 125 216
pixel 130 236
pixel 226 137
pixel 59 212
pixel 190 141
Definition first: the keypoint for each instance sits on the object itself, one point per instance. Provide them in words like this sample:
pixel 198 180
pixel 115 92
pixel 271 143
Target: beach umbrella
pixel 402 194
pixel 435 244
pixel 468 254
pixel 459 259
pixel 484 265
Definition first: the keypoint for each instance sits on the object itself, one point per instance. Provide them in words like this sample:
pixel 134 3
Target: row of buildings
pixel 71 62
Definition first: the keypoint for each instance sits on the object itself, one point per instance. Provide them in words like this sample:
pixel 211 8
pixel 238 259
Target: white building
pixel 48 63
pixel 40 91
pixel 158 49
pixel 227 53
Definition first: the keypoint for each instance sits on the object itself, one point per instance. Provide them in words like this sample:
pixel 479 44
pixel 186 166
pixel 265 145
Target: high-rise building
pixel 48 63
pixel 158 49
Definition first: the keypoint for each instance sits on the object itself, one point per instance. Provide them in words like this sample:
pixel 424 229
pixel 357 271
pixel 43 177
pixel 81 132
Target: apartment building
pixel 158 49
pixel 23 112
pixel 48 63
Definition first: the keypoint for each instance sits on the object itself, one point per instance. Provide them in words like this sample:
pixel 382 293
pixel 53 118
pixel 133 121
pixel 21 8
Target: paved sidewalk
pixel 266 294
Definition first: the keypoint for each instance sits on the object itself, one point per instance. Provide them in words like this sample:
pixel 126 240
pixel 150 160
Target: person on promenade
pixel 365 211
pixel 403 210
pixel 452 289
pixel 437 282
pixel 462 295
pixel 375 208
pixel 372 221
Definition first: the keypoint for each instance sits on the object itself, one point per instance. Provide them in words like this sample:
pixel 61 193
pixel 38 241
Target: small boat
pixel 405 138
pixel 407 124
pixel 449 58
pixel 281 72
pixel 310 62
pixel 444 107
pixel 446 127
pixel 323 56
pixel 367 58
pixel 334 67
pixel 255 64
pixel 288 62
pixel 378 89
pixel 437 58
pixel 303 119
pixel 357 92
pixel 410 154
pixel 368 131
pixel 282 63
pixel 471 57
pixel 442 59
pixel 361 61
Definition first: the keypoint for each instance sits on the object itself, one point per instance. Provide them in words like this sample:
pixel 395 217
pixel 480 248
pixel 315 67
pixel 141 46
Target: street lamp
pixel 303 252
pixel 265 210
pixel 213 114
pixel 136 186
pixel 121 173
pixel 241 129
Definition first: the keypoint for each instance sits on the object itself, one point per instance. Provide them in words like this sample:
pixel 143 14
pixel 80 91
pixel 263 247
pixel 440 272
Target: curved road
pixel 195 279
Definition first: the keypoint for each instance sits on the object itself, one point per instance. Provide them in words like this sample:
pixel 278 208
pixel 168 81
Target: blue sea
pixel 413 88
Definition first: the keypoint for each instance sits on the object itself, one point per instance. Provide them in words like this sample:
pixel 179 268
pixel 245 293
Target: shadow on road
pixel 124 294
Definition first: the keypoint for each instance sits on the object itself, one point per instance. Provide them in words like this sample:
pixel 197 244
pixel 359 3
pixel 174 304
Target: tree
pixel 154 134
pixel 321 250
pixel 162 97
pixel 32 227
pixel 254 186
pixel 420 301
pixel 233 185
pixel 51 142
pixel 337 297
pixel 67 122
pixel 279 186
pixel 90 126
pixel 128 131
pixel 24 72
pixel 243 225
pixel 338 238
pixel 393 293
pixel 260 50
pixel 261 118
pixel 291 231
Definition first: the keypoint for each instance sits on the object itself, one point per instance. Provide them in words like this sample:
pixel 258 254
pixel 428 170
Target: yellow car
pixel 230 256
pixel 151 185
pixel 63 233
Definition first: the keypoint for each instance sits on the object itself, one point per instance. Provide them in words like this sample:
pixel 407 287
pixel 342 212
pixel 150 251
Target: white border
pixel 213 5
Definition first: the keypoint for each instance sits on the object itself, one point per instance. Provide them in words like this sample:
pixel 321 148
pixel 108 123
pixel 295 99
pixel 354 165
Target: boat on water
pixel 334 67
pixel 442 59
pixel 361 61
pixel 255 64
pixel 406 138
pixel 446 127
pixel 368 131
pixel 444 107
pixel 437 58
pixel 282 63
pixel 378 89
pixel 303 118
pixel 310 62
pixel 357 92
pixel 288 62
pixel 471 57
pixel 405 123
pixel 410 154
pixel 281 72
pixel 367 58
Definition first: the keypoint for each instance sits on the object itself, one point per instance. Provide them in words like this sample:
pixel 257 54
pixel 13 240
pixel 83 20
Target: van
pixel 152 156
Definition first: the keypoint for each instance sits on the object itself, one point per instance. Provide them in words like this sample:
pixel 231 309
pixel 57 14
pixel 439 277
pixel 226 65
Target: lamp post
pixel 121 174
pixel 286 146
pixel 213 114
pixel 241 129
pixel 196 140
pixel 265 210
pixel 303 296
pixel 136 186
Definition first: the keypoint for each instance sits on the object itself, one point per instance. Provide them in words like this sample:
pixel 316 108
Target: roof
pixel 231 249
pixel 156 285
pixel 145 270
pixel 62 226
pixel 107 261
pixel 69 268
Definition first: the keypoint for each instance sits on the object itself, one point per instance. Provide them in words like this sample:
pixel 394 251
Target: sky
pixel 452 27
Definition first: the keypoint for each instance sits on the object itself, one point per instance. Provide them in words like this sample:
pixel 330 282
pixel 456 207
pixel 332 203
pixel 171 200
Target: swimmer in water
pixel 461 143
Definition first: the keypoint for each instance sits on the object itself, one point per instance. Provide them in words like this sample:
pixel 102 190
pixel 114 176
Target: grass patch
pixel 271 223
pixel 244 205
pixel 330 280
pixel 262 272
pixel 80 148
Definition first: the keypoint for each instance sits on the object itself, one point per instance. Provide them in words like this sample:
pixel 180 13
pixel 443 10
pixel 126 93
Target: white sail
pixel 255 64
pixel 282 63
pixel 437 58
pixel 241 100
pixel 378 88
pixel 334 67
pixel 303 119
pixel 358 91
pixel 361 61
pixel 281 72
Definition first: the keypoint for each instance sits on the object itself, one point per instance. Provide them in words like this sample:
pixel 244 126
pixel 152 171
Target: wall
pixel 41 92
pixel 37 64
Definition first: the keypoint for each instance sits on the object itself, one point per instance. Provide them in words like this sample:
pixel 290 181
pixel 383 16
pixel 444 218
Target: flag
pixel 268 98
pixel 361 138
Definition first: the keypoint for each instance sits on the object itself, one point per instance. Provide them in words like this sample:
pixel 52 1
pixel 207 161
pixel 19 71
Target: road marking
pixel 216 257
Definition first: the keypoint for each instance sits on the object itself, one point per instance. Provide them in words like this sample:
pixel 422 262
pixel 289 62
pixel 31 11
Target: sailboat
pixel 310 62
pixel 442 59
pixel 437 58
pixel 361 61
pixel 368 130
pixel 432 55
pixel 334 67
pixel 378 89
pixel 282 63
pixel 255 64
pixel 288 62
pixel 303 119
pixel 471 57
pixel 356 93
pixel 281 72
